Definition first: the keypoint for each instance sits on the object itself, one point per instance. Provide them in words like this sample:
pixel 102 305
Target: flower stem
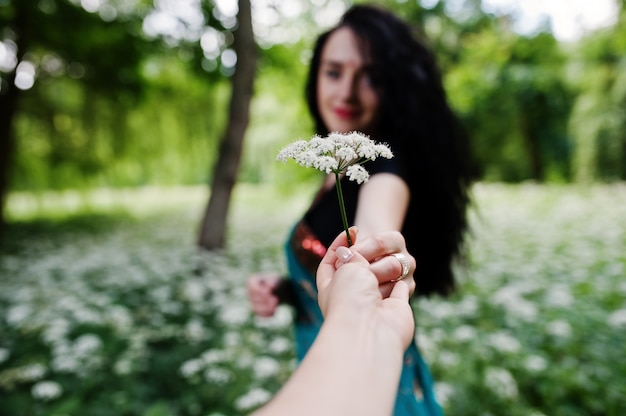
pixel 342 208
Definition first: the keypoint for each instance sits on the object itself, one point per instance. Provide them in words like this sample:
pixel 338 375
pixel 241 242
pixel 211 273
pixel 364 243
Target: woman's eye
pixel 332 73
pixel 371 79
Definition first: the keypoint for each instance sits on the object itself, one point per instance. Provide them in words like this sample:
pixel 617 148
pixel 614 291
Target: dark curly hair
pixel 424 133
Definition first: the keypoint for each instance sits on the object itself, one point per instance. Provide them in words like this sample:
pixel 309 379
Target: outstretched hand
pixel 361 284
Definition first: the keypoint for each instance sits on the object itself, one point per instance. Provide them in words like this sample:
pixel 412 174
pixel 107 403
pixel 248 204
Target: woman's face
pixel 346 91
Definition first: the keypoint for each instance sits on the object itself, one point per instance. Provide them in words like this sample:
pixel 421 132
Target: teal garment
pixel 308 323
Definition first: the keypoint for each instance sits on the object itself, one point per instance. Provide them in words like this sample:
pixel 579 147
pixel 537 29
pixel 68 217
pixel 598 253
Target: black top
pixel 324 215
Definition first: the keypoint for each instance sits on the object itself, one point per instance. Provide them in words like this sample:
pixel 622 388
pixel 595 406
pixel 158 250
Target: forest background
pixel 130 93
pixel 114 118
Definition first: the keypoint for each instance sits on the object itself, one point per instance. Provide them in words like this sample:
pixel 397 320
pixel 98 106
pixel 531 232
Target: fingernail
pixel 344 254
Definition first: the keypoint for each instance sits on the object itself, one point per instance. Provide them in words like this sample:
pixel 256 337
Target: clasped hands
pixel 356 283
pixel 360 284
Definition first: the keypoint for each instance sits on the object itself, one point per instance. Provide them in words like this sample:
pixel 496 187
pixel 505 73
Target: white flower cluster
pixel 336 153
pixel 46 390
pixel 501 382
pixel 253 398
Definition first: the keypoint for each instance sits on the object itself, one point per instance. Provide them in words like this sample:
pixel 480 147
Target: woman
pixel 371 74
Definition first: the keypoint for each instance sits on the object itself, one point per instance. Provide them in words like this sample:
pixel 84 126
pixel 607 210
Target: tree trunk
pixel 530 139
pixel 213 228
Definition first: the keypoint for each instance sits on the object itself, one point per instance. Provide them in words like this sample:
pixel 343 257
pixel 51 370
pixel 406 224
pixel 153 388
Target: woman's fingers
pixel 387 268
pixel 376 250
pixel 342 239
pixel 381 244
pixel 333 260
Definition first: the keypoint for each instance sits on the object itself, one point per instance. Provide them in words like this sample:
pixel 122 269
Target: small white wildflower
pixel 290 151
pixel 232 339
pixel 120 318
pixel 535 363
pixel 245 360
pixel 381 150
pixel 427 345
pixel 191 367
pixel 255 397
pixel 265 367
pixel 464 333
pixel 32 372
pixel 87 344
pixel 4 354
pixel 279 345
pixel 234 315
pixel 17 314
pixel 326 164
pixel 346 153
pixel 617 319
pixel 511 298
pixel 123 367
pixel 214 356
pixel 559 328
pixel 443 392
pixel 194 290
pixel 501 382
pixel 63 361
pixel 344 149
pixel 337 153
pixel 504 342
pixel 283 318
pixel 194 330
pixel 217 375
pixel 442 310
pixel 357 173
pixel 468 306
pixel 559 295
pixel 448 359
pixel 46 390
pixel 322 145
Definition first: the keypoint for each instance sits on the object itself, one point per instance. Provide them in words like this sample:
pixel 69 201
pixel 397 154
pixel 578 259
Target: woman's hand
pixel 353 290
pixel 260 289
pixel 379 249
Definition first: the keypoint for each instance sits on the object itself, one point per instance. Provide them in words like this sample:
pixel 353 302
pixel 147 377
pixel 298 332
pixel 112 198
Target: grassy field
pixel 108 308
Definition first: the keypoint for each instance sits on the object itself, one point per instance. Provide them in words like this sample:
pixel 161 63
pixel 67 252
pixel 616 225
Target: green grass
pixel 108 308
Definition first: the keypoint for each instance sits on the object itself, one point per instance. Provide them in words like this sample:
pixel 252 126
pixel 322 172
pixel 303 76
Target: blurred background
pixel 111 117
pixel 123 93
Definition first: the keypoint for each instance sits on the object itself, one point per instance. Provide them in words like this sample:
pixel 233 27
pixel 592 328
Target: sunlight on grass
pixel 27 205
pixel 107 307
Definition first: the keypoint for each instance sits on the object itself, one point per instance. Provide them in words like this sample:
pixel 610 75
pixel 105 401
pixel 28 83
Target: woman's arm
pixel 382 204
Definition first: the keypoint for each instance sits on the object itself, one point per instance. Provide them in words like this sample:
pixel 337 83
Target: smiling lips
pixel 345 113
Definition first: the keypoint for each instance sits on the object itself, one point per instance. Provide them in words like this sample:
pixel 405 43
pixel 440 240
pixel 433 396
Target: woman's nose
pixel 347 88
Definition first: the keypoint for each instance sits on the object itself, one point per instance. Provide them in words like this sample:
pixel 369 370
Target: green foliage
pixel 542 301
pixel 510 92
pixel 78 139
pixel 118 310
pixel 279 117
pixel 112 107
pixel 598 124
pixel 123 333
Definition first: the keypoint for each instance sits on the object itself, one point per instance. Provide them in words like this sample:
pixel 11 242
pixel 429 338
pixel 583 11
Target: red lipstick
pixel 344 113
